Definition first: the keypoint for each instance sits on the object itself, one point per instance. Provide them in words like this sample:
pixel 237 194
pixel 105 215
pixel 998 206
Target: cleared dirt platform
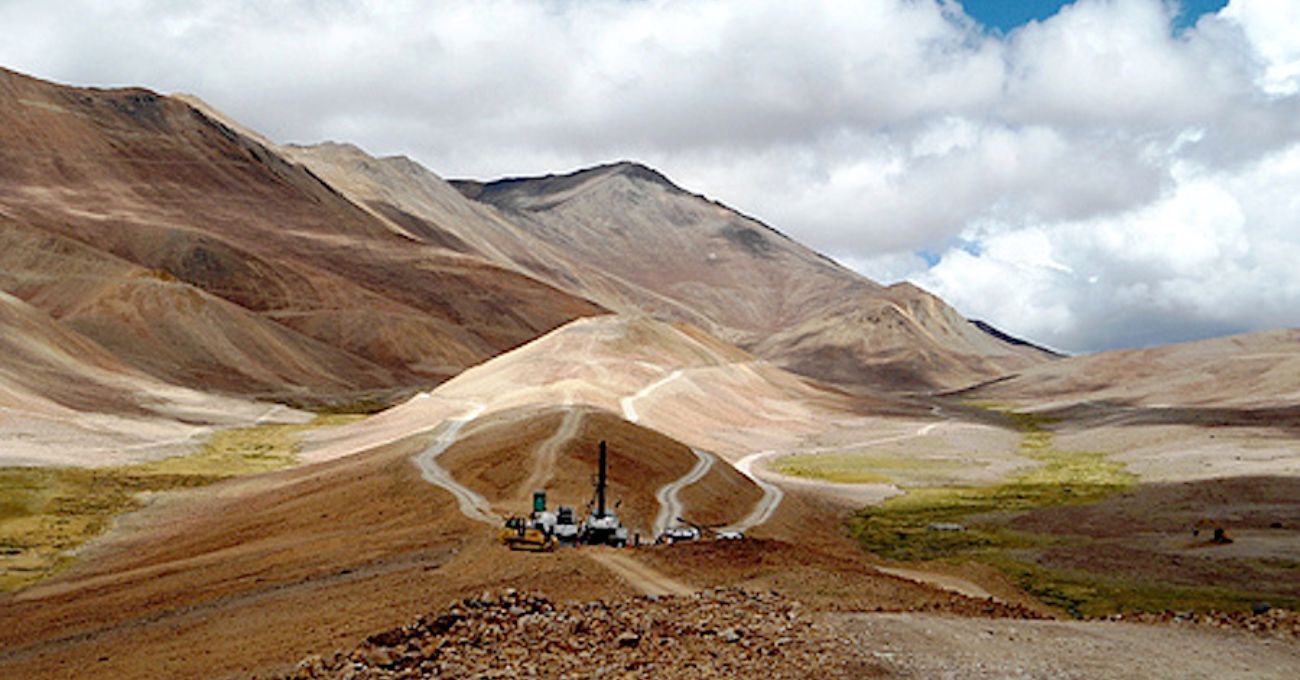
pixel 931 646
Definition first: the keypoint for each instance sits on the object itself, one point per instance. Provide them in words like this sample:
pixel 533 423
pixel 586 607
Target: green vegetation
pixel 46 512
pixel 910 528
pixel 1088 594
pixel 862 468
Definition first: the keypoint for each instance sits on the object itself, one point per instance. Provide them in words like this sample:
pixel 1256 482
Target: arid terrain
pixel 265 408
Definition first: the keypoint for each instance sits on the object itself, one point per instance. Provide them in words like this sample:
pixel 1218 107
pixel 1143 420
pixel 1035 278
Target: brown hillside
pixel 307 560
pixel 134 178
pixel 758 287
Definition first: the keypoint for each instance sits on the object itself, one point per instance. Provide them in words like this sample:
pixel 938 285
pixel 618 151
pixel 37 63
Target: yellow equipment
pixel 521 534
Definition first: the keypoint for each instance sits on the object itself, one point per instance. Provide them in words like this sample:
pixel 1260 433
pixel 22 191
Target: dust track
pixel 629 403
pixel 945 581
pixel 471 504
pixel 670 506
pixel 912 645
pixel 640 576
pixel 549 451
pixel 773 495
pixel 767 504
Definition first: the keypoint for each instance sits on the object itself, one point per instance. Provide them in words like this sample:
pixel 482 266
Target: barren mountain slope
pixel 153 182
pixel 1241 371
pixel 673 378
pixel 627 238
pixel 762 290
pixel 415 201
pixel 171 329
pixel 65 400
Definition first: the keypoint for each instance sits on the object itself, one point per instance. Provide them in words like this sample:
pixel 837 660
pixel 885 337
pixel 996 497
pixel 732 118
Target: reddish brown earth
pixel 202 257
pixel 316 558
pixel 1147 534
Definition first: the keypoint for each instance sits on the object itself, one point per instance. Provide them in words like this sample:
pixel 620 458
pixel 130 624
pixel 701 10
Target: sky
pixel 1092 175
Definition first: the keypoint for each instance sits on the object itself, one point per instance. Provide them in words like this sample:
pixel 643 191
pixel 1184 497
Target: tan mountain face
pixel 66 400
pixel 627 238
pixel 202 257
pixel 1252 372
pixel 763 291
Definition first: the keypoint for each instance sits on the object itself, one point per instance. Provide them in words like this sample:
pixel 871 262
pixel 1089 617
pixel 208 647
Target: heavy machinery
pixel 535 532
pixel 602 526
pixel 566 525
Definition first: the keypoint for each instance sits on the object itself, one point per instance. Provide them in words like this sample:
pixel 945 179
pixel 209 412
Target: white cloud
pixel 1090 181
pixel 1270 25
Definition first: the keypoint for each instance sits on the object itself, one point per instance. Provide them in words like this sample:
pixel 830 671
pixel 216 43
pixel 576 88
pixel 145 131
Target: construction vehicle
pixel 602 525
pixel 566 525
pixel 535 532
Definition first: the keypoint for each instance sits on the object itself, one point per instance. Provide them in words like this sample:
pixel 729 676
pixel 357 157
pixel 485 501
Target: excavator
pixel 535 532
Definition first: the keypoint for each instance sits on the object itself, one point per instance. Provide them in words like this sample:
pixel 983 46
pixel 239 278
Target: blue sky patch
pixel 1007 15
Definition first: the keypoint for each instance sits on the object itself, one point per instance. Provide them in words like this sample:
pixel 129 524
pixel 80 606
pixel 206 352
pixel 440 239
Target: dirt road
pixel 670 506
pixel 772 494
pixel 767 504
pixel 549 451
pixel 638 575
pixel 934 646
pixel 955 584
pixel 629 403
pixel 472 505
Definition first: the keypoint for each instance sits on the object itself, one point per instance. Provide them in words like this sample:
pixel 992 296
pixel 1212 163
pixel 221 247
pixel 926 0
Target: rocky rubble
pixel 720 633
pixel 1275 622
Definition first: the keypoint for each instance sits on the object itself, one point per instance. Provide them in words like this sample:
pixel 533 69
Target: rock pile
pixel 1280 623
pixel 722 633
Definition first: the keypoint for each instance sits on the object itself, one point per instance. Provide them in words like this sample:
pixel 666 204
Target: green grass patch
pixel 46 512
pixel 907 527
pixel 1085 594
pixel 861 468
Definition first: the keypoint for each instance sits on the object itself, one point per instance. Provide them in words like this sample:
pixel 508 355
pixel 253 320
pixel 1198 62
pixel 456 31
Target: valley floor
pixel 250 575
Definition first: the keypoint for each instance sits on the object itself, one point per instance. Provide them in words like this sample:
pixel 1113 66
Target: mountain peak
pixel 633 170
pixel 561 184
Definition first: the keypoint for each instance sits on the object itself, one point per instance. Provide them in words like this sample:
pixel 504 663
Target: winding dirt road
pixel 670 506
pixel 767 503
pixel 773 495
pixel 472 505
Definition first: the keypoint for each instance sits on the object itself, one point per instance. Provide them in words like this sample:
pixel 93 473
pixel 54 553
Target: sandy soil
pixel 643 578
pixel 947 582
pixel 184 584
pixel 928 646
pixel 671 378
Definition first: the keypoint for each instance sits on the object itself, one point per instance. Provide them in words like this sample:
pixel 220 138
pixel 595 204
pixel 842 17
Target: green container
pixel 539 501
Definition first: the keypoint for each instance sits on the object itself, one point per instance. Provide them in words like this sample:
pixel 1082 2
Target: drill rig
pixel 602 525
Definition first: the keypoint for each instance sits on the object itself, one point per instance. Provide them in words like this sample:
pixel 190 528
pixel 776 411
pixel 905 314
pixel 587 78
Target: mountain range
pixel 201 254
pixel 182 299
